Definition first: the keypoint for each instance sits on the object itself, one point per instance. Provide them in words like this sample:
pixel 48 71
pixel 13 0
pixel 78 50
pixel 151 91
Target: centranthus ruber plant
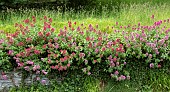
pixel 38 49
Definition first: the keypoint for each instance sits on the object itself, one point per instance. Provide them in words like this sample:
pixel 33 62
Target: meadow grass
pixel 129 14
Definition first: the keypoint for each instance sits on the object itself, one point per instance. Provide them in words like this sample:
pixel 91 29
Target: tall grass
pixel 129 14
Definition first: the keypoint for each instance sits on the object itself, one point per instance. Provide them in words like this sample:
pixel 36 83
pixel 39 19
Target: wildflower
pixel 4 77
pixel 103 48
pixel 37 72
pixel 116 72
pixel 94 61
pixel 81 55
pixel 159 66
pixel 84 70
pixel 50 20
pixel 10 52
pixel 88 38
pixel 37 52
pixel 128 77
pixel 150 55
pixel 27 68
pixel 114 59
pixel 26 21
pixel 116 23
pixel 28 39
pixel 44 72
pixel 48 34
pixel 30 62
pixel 86 61
pixel 45 17
pixel 68 65
pixel 151 65
pixel 20 44
pixel 152 16
pixel 123 77
pixel 52 29
pixel 89 73
pixel 43 82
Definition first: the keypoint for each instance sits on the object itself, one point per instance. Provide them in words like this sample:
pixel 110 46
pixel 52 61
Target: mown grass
pixel 154 81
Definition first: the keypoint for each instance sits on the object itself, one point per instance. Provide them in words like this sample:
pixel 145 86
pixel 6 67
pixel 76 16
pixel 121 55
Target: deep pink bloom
pixel 159 66
pixel 68 65
pixel 44 72
pixel 116 72
pixel 123 77
pixel 30 62
pixel 103 48
pixel 10 52
pixel 81 55
pixel 37 52
pixel 150 55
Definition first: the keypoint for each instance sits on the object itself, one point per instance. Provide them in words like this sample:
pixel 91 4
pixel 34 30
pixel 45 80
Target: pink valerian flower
pixel 1 41
pixel 10 52
pixel 36 67
pixel 116 23
pixel 151 65
pixel 60 68
pixel 37 52
pixel 4 77
pixel 52 67
pixel 48 34
pixel 161 42
pixel 27 68
pixel 114 59
pixel 123 77
pixel 40 34
pixel 96 50
pixel 26 21
pixel 94 61
pixel 109 44
pixel 30 62
pixel 43 82
pixel 20 44
pixel 37 72
pixel 103 49
pixel 28 39
pixel 20 64
pixel 63 52
pixel 68 65
pixel 159 66
pixel 50 20
pixel 89 73
pixel 152 16
pixel 44 72
pixel 116 72
pixel 150 56
pixel 81 55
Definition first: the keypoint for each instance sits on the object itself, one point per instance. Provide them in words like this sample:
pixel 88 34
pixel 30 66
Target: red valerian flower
pixel 88 38
pixel 37 52
pixel 48 34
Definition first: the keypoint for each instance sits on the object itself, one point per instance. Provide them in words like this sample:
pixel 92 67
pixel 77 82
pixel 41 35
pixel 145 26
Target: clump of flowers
pixel 38 49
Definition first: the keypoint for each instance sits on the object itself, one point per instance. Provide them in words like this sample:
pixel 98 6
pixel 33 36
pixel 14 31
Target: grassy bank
pixel 143 81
